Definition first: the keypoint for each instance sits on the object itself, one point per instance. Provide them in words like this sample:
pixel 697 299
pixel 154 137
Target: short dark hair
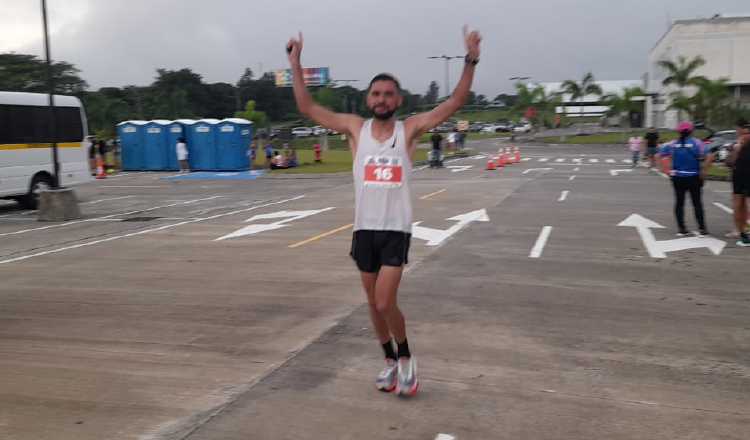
pixel 385 77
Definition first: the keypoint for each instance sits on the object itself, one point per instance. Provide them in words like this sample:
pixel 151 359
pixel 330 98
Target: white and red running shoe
pixel 407 384
pixel 386 380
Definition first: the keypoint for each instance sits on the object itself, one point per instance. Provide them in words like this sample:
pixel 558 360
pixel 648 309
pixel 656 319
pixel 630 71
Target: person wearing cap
pixel 739 162
pixel 690 163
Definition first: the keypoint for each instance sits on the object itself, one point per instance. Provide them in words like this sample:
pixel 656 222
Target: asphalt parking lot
pixel 546 300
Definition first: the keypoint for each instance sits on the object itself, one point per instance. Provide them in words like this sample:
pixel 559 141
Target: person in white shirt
pixel 182 155
pixel 383 150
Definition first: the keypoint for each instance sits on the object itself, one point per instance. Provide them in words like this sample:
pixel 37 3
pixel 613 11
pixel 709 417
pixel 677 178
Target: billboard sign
pixel 314 77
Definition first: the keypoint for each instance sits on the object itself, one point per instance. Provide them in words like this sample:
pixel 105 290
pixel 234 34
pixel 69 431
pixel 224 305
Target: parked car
pixel 319 131
pixel 300 132
pixel 721 143
pixel 522 128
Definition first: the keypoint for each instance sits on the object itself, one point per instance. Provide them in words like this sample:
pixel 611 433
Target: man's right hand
pixel 294 50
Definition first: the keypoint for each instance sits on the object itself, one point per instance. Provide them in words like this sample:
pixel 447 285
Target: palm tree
pixel 625 103
pixel 587 86
pixel 536 98
pixel 681 74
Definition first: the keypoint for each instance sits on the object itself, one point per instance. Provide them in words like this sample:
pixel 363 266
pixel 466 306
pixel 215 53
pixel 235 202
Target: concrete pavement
pixel 168 333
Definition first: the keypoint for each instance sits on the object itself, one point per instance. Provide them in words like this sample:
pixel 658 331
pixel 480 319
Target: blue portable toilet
pixel 201 138
pixel 175 130
pixel 132 149
pixel 233 136
pixel 155 145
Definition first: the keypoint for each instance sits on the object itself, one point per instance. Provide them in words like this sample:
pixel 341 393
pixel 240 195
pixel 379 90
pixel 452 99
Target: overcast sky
pixel 118 42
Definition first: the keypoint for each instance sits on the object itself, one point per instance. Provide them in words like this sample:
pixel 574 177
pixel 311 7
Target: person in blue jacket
pixel 690 162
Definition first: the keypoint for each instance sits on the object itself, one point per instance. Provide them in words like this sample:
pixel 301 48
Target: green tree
pixel 258 118
pixel 682 75
pixel 28 73
pixel 712 95
pixel 625 103
pixel 432 93
pixel 579 91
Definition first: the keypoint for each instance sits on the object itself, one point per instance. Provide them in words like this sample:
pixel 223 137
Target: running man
pixel 383 150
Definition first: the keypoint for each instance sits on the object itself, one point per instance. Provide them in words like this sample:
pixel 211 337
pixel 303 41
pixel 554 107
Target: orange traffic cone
pixel 100 174
pixel 500 160
pixel 666 165
pixel 491 165
pixel 517 154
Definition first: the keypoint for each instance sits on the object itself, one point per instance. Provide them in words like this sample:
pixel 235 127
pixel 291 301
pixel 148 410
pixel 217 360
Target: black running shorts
pixel 741 183
pixel 373 249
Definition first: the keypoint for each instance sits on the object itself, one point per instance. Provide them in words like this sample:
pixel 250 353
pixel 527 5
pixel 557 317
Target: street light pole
pixel 51 87
pixel 447 74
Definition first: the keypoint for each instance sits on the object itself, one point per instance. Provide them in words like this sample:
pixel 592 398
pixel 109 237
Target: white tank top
pixel 382 176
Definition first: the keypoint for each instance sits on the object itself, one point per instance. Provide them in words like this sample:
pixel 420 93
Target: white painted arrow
pixel 459 168
pixel 659 249
pixel 536 169
pixel 621 170
pixel 435 237
pixel 289 216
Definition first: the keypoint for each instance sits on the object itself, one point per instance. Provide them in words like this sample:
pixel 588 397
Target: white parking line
pixel 572 178
pixel 544 159
pixel 593 160
pixel 627 161
pixel 724 208
pixel 538 248
pixel 146 231
pixel 445 437
pixel 610 161
pixel 560 160
pixel 525 159
pixel 563 196
pixel 576 169
pixel 94 202
pixel 58 225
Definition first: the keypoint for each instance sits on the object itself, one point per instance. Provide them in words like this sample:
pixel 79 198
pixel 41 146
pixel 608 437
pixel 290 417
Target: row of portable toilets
pixel 213 145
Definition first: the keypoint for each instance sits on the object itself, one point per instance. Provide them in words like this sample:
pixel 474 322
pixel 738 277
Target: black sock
pixel 403 349
pixel 388 350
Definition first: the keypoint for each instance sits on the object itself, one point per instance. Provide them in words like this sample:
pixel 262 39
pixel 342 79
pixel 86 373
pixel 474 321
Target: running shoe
pixel 683 233
pixel 703 233
pixel 744 240
pixel 407 383
pixel 387 377
pixel 733 234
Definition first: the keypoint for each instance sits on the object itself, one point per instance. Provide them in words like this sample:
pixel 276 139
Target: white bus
pixel 26 150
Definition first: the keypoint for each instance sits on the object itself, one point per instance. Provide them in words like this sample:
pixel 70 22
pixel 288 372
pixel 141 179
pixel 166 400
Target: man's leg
pixel 386 290
pixel 378 322
pixel 740 212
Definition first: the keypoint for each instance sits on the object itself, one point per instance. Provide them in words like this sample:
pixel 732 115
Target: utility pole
pixel 51 88
pixel 447 69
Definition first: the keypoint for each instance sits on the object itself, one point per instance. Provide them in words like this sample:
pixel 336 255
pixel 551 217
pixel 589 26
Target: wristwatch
pixel 468 60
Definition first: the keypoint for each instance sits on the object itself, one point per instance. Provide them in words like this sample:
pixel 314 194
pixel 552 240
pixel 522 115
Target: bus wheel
pixel 39 183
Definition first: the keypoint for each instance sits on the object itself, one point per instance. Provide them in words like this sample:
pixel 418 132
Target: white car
pixel 523 128
pixel 319 131
pixel 300 132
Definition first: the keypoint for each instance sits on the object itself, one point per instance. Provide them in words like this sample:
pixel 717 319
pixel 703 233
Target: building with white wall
pixel 723 41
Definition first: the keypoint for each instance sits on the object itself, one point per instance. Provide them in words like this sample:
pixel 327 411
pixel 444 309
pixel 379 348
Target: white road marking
pixel 578 160
pixel 58 225
pixel 541 241
pixel 560 159
pixel 459 168
pixel 563 196
pixel 433 194
pixel 593 160
pixel 544 159
pixel 435 237
pixel 621 170
pixel 94 202
pixel 288 216
pixel 627 161
pixel 576 169
pixel 134 186
pixel 610 161
pixel 536 169
pixel 724 208
pixel 572 178
pixel 146 231
pixel 659 249
pixel 421 168
pixel 525 159
pixel 445 437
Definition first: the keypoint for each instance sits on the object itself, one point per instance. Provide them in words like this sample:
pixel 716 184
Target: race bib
pixel 383 171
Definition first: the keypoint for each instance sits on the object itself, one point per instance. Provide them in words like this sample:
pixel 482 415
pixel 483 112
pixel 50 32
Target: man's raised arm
pixel 423 122
pixel 341 122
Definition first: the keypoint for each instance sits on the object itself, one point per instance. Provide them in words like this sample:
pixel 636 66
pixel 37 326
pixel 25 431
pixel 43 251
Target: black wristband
pixel 473 62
